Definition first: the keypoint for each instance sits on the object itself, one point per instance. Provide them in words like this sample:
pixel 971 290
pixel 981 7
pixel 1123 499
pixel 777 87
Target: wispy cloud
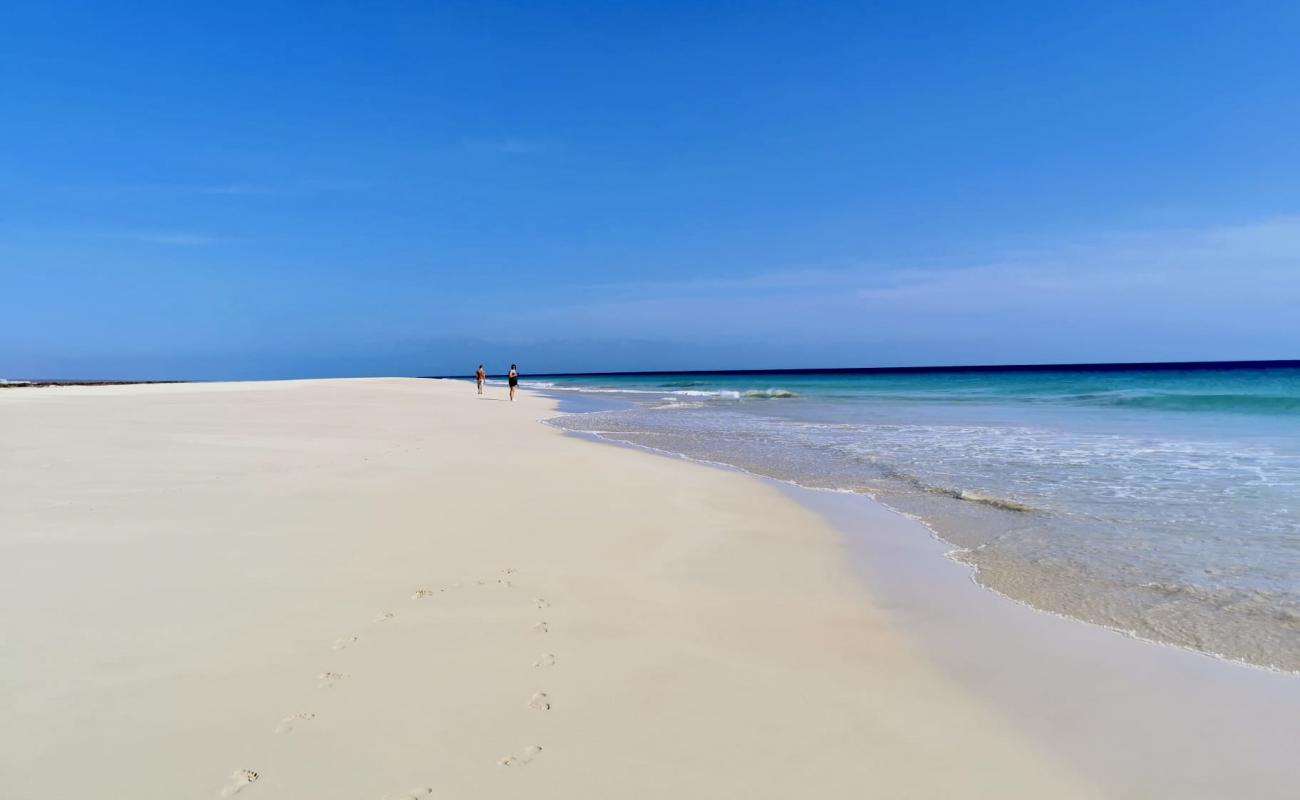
pixel 1134 262
pixel 233 189
pixel 174 238
pixel 219 189
pixel 143 189
pixel 1219 291
pixel 759 282
pixel 510 146
pixel 1217 264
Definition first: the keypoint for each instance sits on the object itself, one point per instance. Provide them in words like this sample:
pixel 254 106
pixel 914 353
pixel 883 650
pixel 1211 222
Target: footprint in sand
pixel 540 702
pixel 412 794
pixel 547 660
pixel 505 583
pixel 540 603
pixel 540 627
pixel 286 724
pixel 530 752
pixel 421 594
pixel 239 781
pixel 328 679
pixel 342 644
pixel 384 617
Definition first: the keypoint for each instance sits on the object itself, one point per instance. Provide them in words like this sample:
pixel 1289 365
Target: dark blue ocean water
pixel 1165 503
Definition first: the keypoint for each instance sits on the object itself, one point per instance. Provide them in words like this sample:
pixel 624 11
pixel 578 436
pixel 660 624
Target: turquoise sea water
pixel 1164 503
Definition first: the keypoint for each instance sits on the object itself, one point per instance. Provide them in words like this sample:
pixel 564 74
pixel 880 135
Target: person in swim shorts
pixel 480 376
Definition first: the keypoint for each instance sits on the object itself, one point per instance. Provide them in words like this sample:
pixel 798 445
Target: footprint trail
pixel 287 724
pixel 526 757
pixel 240 781
pixel 328 679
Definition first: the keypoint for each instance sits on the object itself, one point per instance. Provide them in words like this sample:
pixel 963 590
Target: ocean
pixel 1163 503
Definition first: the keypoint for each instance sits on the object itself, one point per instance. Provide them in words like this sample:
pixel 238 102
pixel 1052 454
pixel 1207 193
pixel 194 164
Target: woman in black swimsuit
pixel 513 377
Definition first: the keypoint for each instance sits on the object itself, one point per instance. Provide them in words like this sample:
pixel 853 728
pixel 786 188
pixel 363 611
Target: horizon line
pixel 1103 366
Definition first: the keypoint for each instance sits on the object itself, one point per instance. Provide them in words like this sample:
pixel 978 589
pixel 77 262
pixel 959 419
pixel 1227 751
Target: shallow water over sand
pixel 1165 504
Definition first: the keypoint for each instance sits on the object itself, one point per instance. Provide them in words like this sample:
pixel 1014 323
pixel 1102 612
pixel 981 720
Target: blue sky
pixel 273 190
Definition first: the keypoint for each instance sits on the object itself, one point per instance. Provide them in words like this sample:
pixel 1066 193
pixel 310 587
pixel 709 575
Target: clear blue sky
pixel 263 189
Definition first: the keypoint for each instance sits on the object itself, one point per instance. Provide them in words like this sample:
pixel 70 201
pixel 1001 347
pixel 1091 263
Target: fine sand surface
pixel 393 588
pixel 1141 720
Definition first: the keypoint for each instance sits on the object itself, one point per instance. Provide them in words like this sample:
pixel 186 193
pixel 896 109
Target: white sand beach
pixel 387 588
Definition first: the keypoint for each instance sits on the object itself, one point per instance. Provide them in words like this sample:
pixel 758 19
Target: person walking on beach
pixel 513 377
pixel 480 376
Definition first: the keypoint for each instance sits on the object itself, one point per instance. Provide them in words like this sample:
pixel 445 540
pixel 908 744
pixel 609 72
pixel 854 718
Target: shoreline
pixel 1209 726
pixel 1052 509
pixel 1209 705
pixel 182 556
pixel 807 495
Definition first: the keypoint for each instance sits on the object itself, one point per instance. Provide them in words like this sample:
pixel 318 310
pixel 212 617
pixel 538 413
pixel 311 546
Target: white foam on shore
pixel 715 394
pixel 953 552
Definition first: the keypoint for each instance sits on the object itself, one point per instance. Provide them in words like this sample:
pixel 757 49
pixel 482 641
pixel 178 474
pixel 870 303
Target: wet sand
pixel 1140 719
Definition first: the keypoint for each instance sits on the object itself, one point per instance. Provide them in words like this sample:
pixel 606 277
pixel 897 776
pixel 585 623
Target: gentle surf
pixel 1159 502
